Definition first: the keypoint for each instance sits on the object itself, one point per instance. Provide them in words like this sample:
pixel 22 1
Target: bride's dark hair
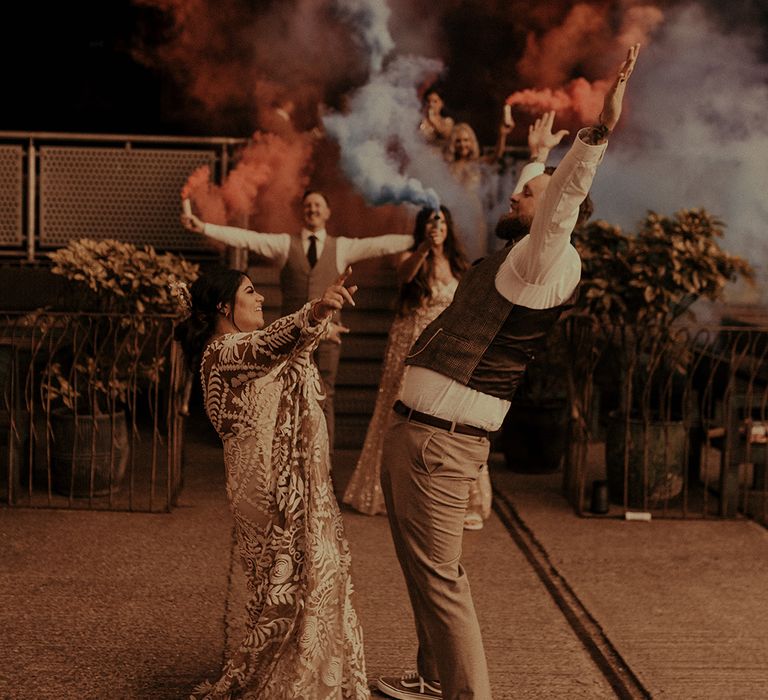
pixel 214 288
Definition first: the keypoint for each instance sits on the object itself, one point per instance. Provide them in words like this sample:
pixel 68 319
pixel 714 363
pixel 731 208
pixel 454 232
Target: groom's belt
pixel 434 421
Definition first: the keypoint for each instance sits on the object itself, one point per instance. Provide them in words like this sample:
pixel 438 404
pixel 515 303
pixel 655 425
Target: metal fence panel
pixel 122 448
pixel 686 434
pixel 129 194
pixel 11 195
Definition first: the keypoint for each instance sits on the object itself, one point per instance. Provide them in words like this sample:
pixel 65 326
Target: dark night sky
pixel 68 67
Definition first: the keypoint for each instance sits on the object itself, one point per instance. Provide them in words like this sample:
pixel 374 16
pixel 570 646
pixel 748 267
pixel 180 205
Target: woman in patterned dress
pixel 261 393
pixel 429 275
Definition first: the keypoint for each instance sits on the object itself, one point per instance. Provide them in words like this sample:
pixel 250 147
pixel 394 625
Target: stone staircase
pixel 363 348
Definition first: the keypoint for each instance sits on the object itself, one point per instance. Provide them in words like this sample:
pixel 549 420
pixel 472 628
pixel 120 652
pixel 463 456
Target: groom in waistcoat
pixel 461 375
pixel 309 262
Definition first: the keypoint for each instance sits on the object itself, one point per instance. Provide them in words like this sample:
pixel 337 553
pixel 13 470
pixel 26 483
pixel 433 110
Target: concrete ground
pixel 133 605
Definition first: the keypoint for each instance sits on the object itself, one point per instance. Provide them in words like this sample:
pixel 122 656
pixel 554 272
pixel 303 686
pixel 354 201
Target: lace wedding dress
pixel 303 639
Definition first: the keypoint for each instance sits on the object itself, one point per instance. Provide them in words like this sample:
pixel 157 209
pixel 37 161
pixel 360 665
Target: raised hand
pixel 335 297
pixel 541 139
pixel 609 117
pixel 507 123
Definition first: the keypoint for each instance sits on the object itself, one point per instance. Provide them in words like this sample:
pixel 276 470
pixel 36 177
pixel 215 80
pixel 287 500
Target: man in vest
pixel 462 373
pixel 309 261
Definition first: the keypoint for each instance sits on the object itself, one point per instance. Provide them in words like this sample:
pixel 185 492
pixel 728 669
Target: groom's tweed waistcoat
pixel 300 282
pixel 483 340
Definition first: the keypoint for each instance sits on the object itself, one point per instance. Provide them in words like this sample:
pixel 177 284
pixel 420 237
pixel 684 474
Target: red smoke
pixel 205 196
pixel 270 175
pixel 246 65
pixel 235 60
pixel 585 41
pixel 577 103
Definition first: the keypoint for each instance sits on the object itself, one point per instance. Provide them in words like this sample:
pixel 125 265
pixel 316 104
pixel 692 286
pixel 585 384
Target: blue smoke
pixel 384 114
pixel 370 17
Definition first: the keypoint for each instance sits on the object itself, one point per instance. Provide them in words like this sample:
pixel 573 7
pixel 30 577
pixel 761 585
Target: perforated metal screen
pixel 11 203
pixel 130 195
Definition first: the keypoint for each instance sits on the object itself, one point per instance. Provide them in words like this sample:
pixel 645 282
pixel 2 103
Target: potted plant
pixel 98 358
pixel 636 289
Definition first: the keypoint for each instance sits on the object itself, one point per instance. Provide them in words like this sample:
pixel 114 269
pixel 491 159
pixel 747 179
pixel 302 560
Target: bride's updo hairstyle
pixel 209 293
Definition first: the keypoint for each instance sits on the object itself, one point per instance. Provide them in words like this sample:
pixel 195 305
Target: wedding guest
pixel 308 261
pixel 435 127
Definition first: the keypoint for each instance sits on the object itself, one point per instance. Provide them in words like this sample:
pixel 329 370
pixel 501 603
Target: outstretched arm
pixel 273 246
pixel 259 351
pixel 351 250
pixel 558 209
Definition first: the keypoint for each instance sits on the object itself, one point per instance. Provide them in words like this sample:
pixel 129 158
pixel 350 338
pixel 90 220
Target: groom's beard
pixel 512 228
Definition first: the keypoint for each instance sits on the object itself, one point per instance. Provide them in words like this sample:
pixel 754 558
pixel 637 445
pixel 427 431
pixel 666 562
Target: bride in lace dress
pixel 429 275
pixel 261 393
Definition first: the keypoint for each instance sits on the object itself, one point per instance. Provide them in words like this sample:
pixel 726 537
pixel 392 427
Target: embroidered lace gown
pixel 363 491
pixel 303 639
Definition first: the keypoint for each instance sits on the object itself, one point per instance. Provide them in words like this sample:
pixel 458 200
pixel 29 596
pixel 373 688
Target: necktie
pixel 312 251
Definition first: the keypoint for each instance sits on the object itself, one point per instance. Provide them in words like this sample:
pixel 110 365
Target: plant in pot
pixel 636 291
pixel 99 360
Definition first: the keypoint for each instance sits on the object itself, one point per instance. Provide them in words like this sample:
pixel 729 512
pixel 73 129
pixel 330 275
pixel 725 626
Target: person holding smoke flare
pixel 429 275
pixel 308 261
pixel 461 375
pixel 261 392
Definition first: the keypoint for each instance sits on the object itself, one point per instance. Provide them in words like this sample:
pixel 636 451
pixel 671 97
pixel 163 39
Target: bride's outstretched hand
pixel 334 297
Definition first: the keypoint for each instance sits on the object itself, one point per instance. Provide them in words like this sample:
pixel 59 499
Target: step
pixel 350 431
pixel 358 346
pixel 355 400
pixel 359 373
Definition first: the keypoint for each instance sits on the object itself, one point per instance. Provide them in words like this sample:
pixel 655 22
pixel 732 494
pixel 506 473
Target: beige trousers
pixel 426 477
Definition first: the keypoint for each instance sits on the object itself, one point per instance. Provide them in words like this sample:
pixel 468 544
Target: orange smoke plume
pixel 260 190
pixel 585 42
pixel 204 195
pixel 270 177
pixel 577 104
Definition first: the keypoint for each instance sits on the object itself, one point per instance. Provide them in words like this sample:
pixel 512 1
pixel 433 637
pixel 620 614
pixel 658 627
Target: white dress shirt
pixel 275 246
pixel 540 272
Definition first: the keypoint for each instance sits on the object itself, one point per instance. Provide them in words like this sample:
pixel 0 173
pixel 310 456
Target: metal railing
pixel 57 186
pixel 92 410
pixel 675 422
